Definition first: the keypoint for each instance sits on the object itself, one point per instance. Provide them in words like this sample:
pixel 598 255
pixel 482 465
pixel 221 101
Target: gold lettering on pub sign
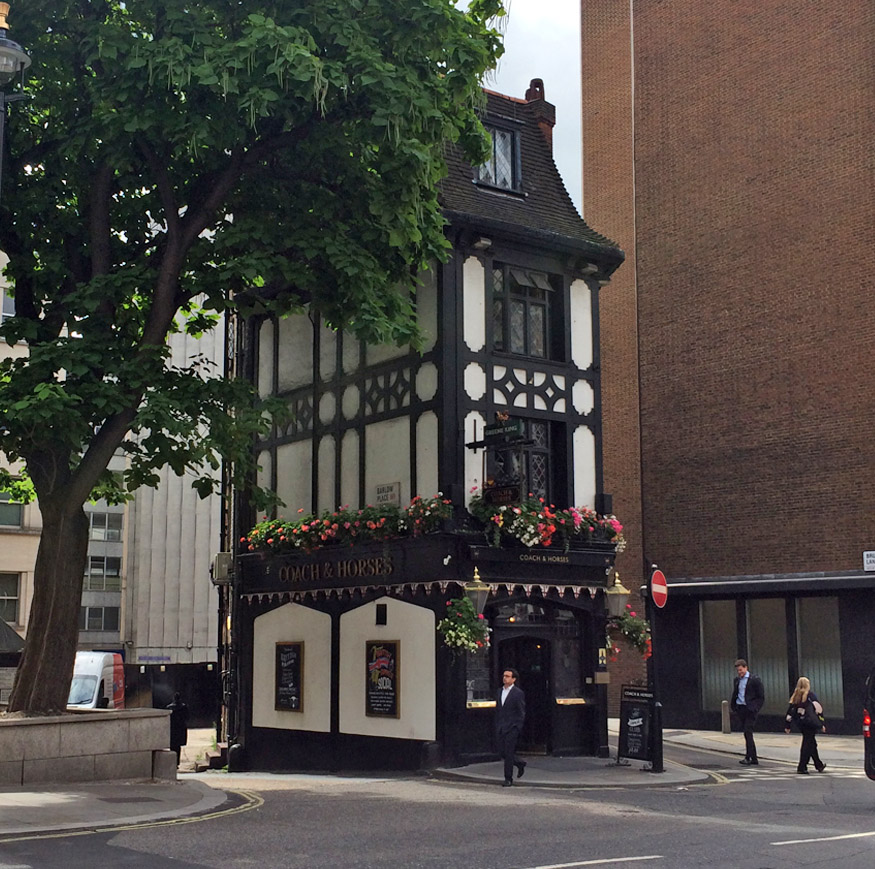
pixel 348 568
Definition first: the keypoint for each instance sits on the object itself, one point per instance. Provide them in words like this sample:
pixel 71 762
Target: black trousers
pixel 808 750
pixel 747 718
pixel 507 749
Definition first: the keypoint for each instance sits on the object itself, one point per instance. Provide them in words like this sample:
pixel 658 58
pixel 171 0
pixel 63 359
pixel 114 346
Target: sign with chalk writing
pixel 289 677
pixel 636 718
pixel 382 695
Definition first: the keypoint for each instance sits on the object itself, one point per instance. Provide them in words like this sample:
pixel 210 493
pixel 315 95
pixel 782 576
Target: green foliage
pixel 346 527
pixel 176 161
pixel 462 628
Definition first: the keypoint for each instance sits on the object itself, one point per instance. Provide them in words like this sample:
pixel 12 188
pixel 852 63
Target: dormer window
pixel 502 169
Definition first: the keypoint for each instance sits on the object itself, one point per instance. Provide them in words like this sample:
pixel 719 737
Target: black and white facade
pixel 511 325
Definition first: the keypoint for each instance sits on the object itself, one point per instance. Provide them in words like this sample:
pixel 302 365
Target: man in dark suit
pixel 510 713
pixel 748 697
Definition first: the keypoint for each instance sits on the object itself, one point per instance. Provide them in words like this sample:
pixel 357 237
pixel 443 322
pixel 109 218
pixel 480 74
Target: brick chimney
pixel 545 113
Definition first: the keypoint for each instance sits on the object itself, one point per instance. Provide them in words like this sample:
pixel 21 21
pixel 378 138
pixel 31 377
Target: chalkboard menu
pixel 636 718
pixel 382 675
pixel 290 677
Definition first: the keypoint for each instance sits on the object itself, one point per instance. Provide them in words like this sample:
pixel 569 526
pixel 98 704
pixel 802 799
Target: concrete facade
pixel 92 746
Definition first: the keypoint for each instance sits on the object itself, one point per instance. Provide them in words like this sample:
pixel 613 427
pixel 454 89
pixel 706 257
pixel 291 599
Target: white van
pixel 98 681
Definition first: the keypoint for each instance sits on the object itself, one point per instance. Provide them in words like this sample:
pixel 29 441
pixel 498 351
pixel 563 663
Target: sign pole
pixel 655 595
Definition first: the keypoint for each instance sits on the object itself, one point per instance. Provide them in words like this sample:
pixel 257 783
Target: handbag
pixel 810 715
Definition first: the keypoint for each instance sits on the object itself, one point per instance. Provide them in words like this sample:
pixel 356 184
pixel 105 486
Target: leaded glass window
pixel 502 167
pixel 521 316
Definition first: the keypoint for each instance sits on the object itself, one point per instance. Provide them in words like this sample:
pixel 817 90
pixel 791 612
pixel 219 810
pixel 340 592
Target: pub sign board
pixel 382 694
pixel 289 694
pixel 636 722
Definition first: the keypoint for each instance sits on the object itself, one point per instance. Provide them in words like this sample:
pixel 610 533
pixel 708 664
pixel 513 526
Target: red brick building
pixel 728 149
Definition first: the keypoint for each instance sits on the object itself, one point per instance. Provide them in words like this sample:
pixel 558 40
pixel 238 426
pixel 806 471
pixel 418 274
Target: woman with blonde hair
pixel 807 713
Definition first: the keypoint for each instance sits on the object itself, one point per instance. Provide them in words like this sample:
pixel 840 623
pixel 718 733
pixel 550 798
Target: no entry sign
pixel 658 588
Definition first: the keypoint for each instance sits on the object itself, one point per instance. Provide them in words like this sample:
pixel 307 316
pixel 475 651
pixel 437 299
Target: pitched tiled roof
pixel 542 205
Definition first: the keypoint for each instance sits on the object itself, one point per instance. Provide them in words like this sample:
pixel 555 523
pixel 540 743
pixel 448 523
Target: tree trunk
pixel 42 682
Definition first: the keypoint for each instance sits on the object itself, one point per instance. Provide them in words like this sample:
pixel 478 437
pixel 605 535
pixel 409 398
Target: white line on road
pixel 599 862
pixel 823 839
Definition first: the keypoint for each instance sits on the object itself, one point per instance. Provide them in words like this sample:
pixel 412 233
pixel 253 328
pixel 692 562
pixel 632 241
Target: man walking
pixel 748 697
pixel 510 713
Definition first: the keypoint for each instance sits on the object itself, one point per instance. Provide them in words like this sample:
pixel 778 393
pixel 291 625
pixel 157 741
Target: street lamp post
pixel 14 60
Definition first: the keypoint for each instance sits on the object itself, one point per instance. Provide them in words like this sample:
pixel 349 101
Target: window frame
pixel 110 534
pixel 102 574
pixel 522 285
pixel 6 501
pixel 85 615
pixel 514 160
pixel 5 598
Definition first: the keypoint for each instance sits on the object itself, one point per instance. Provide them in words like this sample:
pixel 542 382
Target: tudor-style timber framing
pixel 365 419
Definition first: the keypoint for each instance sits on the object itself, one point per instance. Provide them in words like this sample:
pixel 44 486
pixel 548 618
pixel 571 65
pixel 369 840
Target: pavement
pixel 53 809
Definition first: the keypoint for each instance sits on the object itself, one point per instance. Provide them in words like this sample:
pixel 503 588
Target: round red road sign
pixel 658 588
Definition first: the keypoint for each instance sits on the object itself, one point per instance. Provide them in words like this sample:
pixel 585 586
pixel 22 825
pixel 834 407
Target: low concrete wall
pixel 86 746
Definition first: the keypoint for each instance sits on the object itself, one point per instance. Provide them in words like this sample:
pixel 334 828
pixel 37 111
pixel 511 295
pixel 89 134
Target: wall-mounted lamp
pixel 617 596
pixel 482 243
pixel 477 592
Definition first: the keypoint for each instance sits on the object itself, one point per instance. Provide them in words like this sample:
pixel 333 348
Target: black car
pixel 868 734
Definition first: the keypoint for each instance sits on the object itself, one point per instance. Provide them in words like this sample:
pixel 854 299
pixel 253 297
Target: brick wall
pixel 752 221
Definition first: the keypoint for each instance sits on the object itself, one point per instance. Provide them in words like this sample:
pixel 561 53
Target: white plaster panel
pixel 295 352
pixel 427 306
pixel 427 454
pixel 427 382
pixel 265 358
pixel 325 472
pixel 498 397
pixel 538 403
pixel 583 442
pixel 521 400
pixel 414 627
pixel 582 396
pixel 475 381
pixel 376 353
pixel 349 469
pixel 327 408
pixel 265 463
pixel 351 353
pixel 559 406
pixel 292 623
pixel 474 425
pixel 474 303
pixel 294 466
pixel 387 456
pixel 327 352
pixel 538 378
pixel 350 402
pixel 581 324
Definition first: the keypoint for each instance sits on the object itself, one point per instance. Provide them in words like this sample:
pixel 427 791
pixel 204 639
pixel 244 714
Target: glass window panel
pixel 83 614
pixel 503 150
pixel 538 433
pixel 486 172
pixel 110 618
pixel 96 565
pixel 8 305
pixel 114 526
pixel 767 651
pixel 94 619
pixel 8 585
pixel 517 327
pixel 820 651
pixel 98 526
pixel 9 610
pixel 10 513
pixel 537 330
pixel 541 281
pixel 498 280
pixel 113 566
pixel 538 475
pixel 498 324
pixel 719 650
pixel 478 683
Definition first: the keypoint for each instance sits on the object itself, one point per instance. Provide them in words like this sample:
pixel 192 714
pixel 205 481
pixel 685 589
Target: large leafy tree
pixel 177 160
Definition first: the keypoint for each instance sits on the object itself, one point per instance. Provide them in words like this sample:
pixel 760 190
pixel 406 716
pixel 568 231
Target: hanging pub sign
pixel 636 720
pixel 289 677
pixel 503 430
pixel 382 678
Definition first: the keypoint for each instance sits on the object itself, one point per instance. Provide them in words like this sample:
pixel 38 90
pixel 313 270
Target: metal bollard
pixel 724 717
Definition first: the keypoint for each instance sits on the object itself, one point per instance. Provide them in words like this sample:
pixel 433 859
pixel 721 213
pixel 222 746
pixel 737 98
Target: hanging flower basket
pixel 462 627
pixel 634 628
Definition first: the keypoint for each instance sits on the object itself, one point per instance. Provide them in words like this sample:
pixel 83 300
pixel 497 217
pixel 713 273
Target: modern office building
pixel 728 148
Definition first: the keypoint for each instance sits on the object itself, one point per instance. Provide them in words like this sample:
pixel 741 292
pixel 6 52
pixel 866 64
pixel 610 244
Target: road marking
pixel 600 862
pixel 824 839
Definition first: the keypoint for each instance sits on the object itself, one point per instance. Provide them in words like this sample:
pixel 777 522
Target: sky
pixel 542 40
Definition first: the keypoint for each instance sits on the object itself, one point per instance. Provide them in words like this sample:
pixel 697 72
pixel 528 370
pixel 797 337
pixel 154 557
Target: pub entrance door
pixel 530 657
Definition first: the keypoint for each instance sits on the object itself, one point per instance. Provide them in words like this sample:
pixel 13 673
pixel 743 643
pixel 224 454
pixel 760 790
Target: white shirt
pixel 504 692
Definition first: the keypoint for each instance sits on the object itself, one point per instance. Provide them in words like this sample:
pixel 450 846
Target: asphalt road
pixel 746 818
